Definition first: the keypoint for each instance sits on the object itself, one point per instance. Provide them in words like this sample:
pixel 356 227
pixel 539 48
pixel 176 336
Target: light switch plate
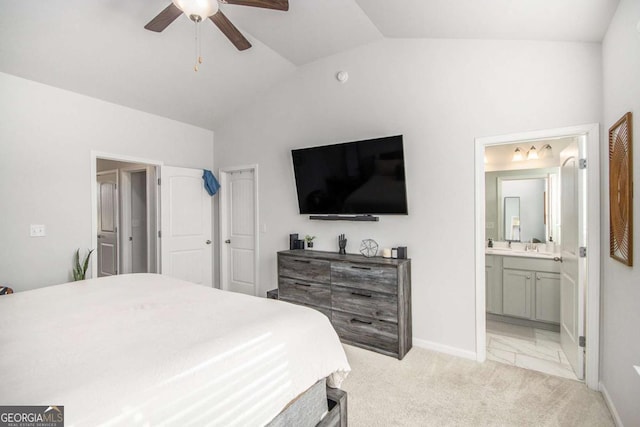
pixel 37 230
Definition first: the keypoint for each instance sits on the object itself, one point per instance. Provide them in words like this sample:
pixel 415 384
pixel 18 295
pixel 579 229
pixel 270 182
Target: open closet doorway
pixel 537 209
pixel 126 217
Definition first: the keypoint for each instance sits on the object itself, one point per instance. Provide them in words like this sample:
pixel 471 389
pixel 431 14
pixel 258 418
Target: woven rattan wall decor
pixel 621 190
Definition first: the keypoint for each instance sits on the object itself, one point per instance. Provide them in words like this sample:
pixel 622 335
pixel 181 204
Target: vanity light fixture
pixel 546 152
pixel 532 154
pixel 517 156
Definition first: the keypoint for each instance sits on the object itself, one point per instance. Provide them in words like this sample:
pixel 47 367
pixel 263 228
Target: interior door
pixel 185 225
pixel 573 270
pixel 239 247
pixel 107 223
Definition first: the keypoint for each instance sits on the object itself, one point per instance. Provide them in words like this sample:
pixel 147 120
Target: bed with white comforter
pixel 146 349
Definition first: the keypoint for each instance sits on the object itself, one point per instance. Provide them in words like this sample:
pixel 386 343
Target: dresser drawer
pixel 366 303
pixel 305 269
pixel 365 331
pixel 302 291
pixel 362 276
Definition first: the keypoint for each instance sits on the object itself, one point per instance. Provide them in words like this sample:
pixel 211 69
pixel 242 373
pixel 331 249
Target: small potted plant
pixel 309 240
pixel 80 270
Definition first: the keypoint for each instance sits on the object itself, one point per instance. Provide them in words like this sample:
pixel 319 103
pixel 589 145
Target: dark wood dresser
pixel 368 300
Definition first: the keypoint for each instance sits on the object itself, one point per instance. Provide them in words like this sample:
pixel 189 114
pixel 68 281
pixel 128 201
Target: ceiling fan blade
pixel 164 18
pixel 230 30
pixel 266 4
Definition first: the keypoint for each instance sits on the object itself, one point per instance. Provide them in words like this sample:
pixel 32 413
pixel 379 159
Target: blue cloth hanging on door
pixel 211 184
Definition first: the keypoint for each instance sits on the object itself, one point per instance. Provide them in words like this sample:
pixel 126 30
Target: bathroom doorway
pixel 523 233
pixel 529 311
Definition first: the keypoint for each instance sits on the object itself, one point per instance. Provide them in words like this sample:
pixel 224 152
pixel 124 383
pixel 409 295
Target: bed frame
pixel 319 402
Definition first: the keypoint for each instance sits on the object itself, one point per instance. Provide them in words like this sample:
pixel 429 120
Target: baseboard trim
pixel 611 406
pixel 441 348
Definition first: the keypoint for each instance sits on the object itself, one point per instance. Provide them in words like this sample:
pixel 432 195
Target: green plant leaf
pixel 80 271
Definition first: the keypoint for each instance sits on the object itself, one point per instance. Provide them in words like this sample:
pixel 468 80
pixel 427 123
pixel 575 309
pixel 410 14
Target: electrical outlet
pixel 490 225
pixel 37 230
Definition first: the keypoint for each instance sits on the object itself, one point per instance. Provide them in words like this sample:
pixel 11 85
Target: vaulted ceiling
pixel 99 48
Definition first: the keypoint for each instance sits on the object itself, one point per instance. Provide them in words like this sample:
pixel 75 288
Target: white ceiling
pixel 100 48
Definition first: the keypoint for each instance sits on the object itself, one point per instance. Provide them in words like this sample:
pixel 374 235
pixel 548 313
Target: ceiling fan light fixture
pixel 197 8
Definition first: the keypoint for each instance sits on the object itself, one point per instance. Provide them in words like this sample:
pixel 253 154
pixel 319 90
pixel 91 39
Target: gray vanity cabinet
pixel 493 283
pixel 547 297
pixel 516 293
pixel 531 289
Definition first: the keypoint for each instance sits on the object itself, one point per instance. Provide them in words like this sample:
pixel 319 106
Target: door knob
pixel 99 236
pixel 227 241
pixel 208 242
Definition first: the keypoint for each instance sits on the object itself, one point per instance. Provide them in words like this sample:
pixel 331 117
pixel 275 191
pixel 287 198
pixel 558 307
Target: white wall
pixel 46 135
pixel 440 94
pixel 621 288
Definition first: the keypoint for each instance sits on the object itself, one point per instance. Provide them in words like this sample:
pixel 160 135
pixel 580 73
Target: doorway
pixel 239 229
pixel 530 283
pixel 125 215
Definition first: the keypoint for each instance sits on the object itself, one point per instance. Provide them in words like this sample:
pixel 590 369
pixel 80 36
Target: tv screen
pixel 361 177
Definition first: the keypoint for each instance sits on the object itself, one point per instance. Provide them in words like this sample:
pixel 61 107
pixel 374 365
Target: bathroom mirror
pixel 539 195
pixel 524 210
pixel 512 219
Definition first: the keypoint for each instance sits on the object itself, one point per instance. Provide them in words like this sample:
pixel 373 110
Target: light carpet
pixel 427 388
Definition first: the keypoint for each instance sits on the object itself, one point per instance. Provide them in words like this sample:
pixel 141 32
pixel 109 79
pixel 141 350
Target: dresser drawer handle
pixel 303 261
pixel 360 268
pixel 362 322
pixel 361 295
pixel 302 284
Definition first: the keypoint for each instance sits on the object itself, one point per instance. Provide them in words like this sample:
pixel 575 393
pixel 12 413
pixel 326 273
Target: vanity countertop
pixel 520 253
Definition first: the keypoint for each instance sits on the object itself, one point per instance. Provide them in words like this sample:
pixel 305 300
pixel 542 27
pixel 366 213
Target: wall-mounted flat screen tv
pixel 352 178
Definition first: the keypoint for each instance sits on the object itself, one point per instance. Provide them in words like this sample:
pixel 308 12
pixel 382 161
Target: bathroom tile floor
pixel 528 348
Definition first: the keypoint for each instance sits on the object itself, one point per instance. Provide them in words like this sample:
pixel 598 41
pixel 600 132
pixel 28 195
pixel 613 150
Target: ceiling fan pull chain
pixel 198 57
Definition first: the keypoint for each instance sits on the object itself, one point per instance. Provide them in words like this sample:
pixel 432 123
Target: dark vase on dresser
pixel 368 300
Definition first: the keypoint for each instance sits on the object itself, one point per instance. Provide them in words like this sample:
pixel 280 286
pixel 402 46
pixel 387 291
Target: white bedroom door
pixel 107 223
pixel 573 269
pixel 238 217
pixel 185 225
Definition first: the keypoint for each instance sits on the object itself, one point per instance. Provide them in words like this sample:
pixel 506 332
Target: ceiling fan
pixel 199 10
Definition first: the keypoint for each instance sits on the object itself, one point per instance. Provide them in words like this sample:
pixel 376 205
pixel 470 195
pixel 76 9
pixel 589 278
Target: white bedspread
pixel 146 349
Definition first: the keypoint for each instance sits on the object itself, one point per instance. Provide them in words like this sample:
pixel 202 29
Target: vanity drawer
pixel 306 269
pixel 366 332
pixel 376 278
pixel 304 292
pixel 366 303
pixel 532 264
